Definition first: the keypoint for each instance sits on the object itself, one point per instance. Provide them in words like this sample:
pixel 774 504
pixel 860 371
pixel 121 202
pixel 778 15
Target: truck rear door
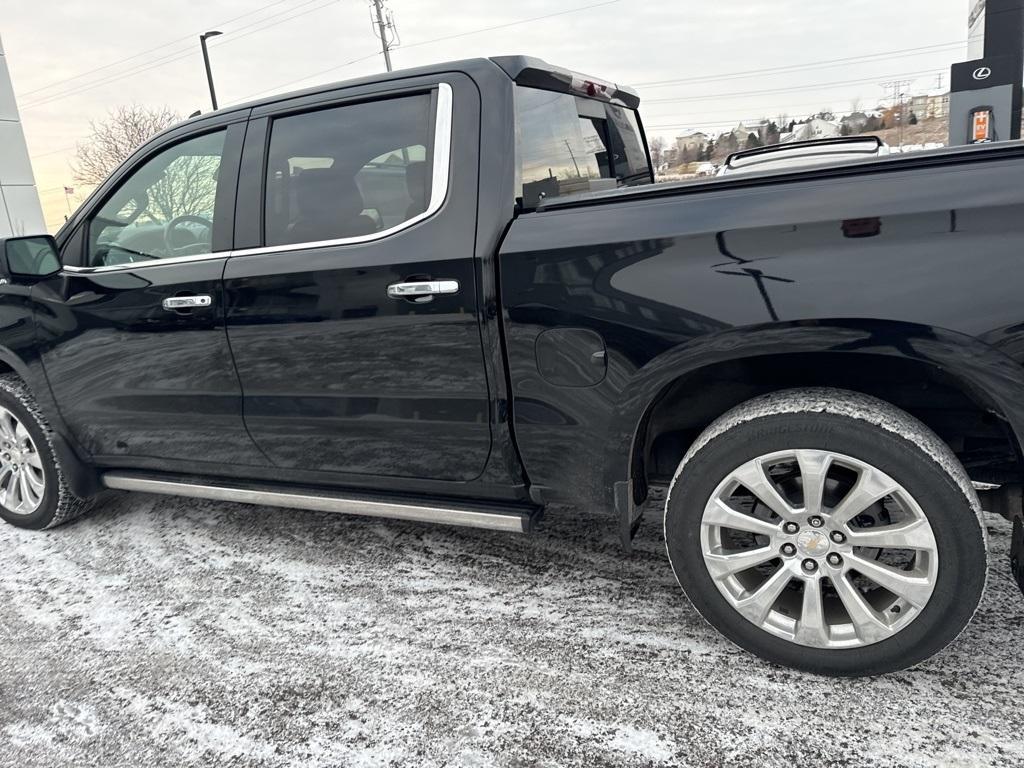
pixel 352 307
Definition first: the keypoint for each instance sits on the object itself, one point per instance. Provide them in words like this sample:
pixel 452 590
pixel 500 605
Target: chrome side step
pixel 499 519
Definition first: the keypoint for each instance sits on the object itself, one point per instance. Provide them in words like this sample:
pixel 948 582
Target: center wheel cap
pixel 812 543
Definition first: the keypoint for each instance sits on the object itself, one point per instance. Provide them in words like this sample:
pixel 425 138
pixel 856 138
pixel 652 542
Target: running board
pixel 469 516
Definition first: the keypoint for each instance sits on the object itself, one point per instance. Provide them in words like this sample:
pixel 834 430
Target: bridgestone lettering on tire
pixel 827 531
pixel 33 490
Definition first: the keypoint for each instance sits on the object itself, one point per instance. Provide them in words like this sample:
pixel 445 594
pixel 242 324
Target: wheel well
pixel 981 439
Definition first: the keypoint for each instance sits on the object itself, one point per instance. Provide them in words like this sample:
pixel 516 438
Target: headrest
pixel 416 181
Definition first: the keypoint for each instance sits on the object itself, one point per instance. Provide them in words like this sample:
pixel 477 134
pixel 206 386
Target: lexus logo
pixel 982 73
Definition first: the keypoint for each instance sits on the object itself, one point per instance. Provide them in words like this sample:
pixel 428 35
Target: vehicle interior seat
pixel 329 206
pixel 418 184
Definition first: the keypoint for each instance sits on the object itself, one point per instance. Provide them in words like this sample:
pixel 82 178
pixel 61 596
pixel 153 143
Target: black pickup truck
pixel 455 294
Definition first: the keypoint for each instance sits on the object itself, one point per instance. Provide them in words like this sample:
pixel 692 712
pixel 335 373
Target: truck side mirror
pixel 35 256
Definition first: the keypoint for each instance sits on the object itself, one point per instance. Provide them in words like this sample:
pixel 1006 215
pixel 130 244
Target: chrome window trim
pixel 438 195
pixel 133 265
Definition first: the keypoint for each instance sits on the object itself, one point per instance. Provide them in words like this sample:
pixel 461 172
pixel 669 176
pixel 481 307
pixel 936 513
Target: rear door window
pixel 349 171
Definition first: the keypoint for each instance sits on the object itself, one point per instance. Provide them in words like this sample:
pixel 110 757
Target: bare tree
pixel 657 150
pixel 111 141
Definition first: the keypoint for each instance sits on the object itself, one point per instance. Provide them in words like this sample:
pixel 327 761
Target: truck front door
pixel 353 315
pixel 132 331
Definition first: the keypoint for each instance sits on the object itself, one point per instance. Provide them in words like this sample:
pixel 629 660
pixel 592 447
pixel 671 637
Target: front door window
pixel 164 209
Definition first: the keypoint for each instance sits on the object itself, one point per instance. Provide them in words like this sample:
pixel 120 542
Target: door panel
pixel 339 377
pixel 135 379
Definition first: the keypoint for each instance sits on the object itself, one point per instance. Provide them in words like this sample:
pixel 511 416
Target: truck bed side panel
pixel 674 282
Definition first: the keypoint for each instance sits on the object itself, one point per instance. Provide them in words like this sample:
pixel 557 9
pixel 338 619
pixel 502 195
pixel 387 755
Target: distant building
pixel 930 107
pixel 815 128
pixel 20 212
pixel 689 146
pixel 855 122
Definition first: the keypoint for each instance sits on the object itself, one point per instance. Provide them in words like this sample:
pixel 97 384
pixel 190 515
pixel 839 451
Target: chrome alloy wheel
pixel 819 548
pixel 22 482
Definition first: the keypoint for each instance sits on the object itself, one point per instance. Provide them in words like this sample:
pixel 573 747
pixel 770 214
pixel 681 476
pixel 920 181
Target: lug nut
pixel 810 566
pixel 788 550
pixel 815 521
pixel 838 537
pixel 791 528
pixel 835 559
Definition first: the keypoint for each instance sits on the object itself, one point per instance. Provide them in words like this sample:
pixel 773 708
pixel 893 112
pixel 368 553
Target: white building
pixel 20 212
pixel 976 29
pixel 815 128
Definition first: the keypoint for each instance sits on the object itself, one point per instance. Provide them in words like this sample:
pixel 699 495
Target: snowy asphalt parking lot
pixel 159 631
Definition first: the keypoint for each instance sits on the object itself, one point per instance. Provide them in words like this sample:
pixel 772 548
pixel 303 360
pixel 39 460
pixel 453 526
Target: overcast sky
pixel 730 51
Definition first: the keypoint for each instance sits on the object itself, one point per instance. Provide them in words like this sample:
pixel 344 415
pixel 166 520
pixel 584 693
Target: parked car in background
pixel 803 154
pixel 454 294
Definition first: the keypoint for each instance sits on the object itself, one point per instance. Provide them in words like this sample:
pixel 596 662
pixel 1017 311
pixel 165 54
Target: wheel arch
pixel 81 476
pixel 958 376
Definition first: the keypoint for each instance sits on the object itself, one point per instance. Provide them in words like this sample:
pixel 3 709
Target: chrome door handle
pixel 415 290
pixel 175 303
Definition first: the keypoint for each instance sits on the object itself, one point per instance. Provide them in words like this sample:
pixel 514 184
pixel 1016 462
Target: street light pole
pixel 206 61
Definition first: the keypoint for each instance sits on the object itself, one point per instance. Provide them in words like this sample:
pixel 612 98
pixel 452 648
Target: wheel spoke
pixel 758 603
pixel 812 629
pixel 914 589
pixel 21 435
pixel 26 489
pixel 720 514
pixel 35 484
pixel 753 477
pixel 814 466
pixel 14 493
pixel 871 487
pixel 914 535
pixel 34 460
pixel 8 426
pixel 724 565
pixel 868 624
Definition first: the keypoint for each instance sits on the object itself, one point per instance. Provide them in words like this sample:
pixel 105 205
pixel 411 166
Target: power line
pixel 184 53
pixel 307 77
pixel 765 91
pixel 897 54
pixel 433 40
pixel 511 24
pixel 149 50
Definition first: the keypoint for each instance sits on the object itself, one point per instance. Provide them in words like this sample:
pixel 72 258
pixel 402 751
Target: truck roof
pixel 525 70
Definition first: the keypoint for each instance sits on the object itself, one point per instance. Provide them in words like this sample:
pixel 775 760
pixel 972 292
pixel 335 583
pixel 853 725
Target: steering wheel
pixel 187 249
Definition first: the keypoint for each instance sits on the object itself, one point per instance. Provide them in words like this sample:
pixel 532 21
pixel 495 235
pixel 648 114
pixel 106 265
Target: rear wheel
pixel 827 531
pixel 33 490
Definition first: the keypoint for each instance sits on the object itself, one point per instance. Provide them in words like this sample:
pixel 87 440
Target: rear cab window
pixel 569 144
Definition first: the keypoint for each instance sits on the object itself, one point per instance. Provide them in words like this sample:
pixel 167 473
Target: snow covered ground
pixel 163 632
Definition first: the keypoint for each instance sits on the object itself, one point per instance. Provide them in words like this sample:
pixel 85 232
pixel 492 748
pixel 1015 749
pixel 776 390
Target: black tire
pixel 59 504
pixel 866 429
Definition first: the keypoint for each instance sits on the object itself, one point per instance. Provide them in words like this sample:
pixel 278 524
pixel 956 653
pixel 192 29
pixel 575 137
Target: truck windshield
pixel 569 144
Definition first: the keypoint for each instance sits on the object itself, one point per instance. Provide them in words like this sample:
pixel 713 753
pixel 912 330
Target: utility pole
pixel 571 155
pixel 384 25
pixel 898 88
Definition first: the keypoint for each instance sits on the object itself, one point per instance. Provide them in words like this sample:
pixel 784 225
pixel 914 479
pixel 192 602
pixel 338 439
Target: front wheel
pixel 33 490
pixel 827 531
